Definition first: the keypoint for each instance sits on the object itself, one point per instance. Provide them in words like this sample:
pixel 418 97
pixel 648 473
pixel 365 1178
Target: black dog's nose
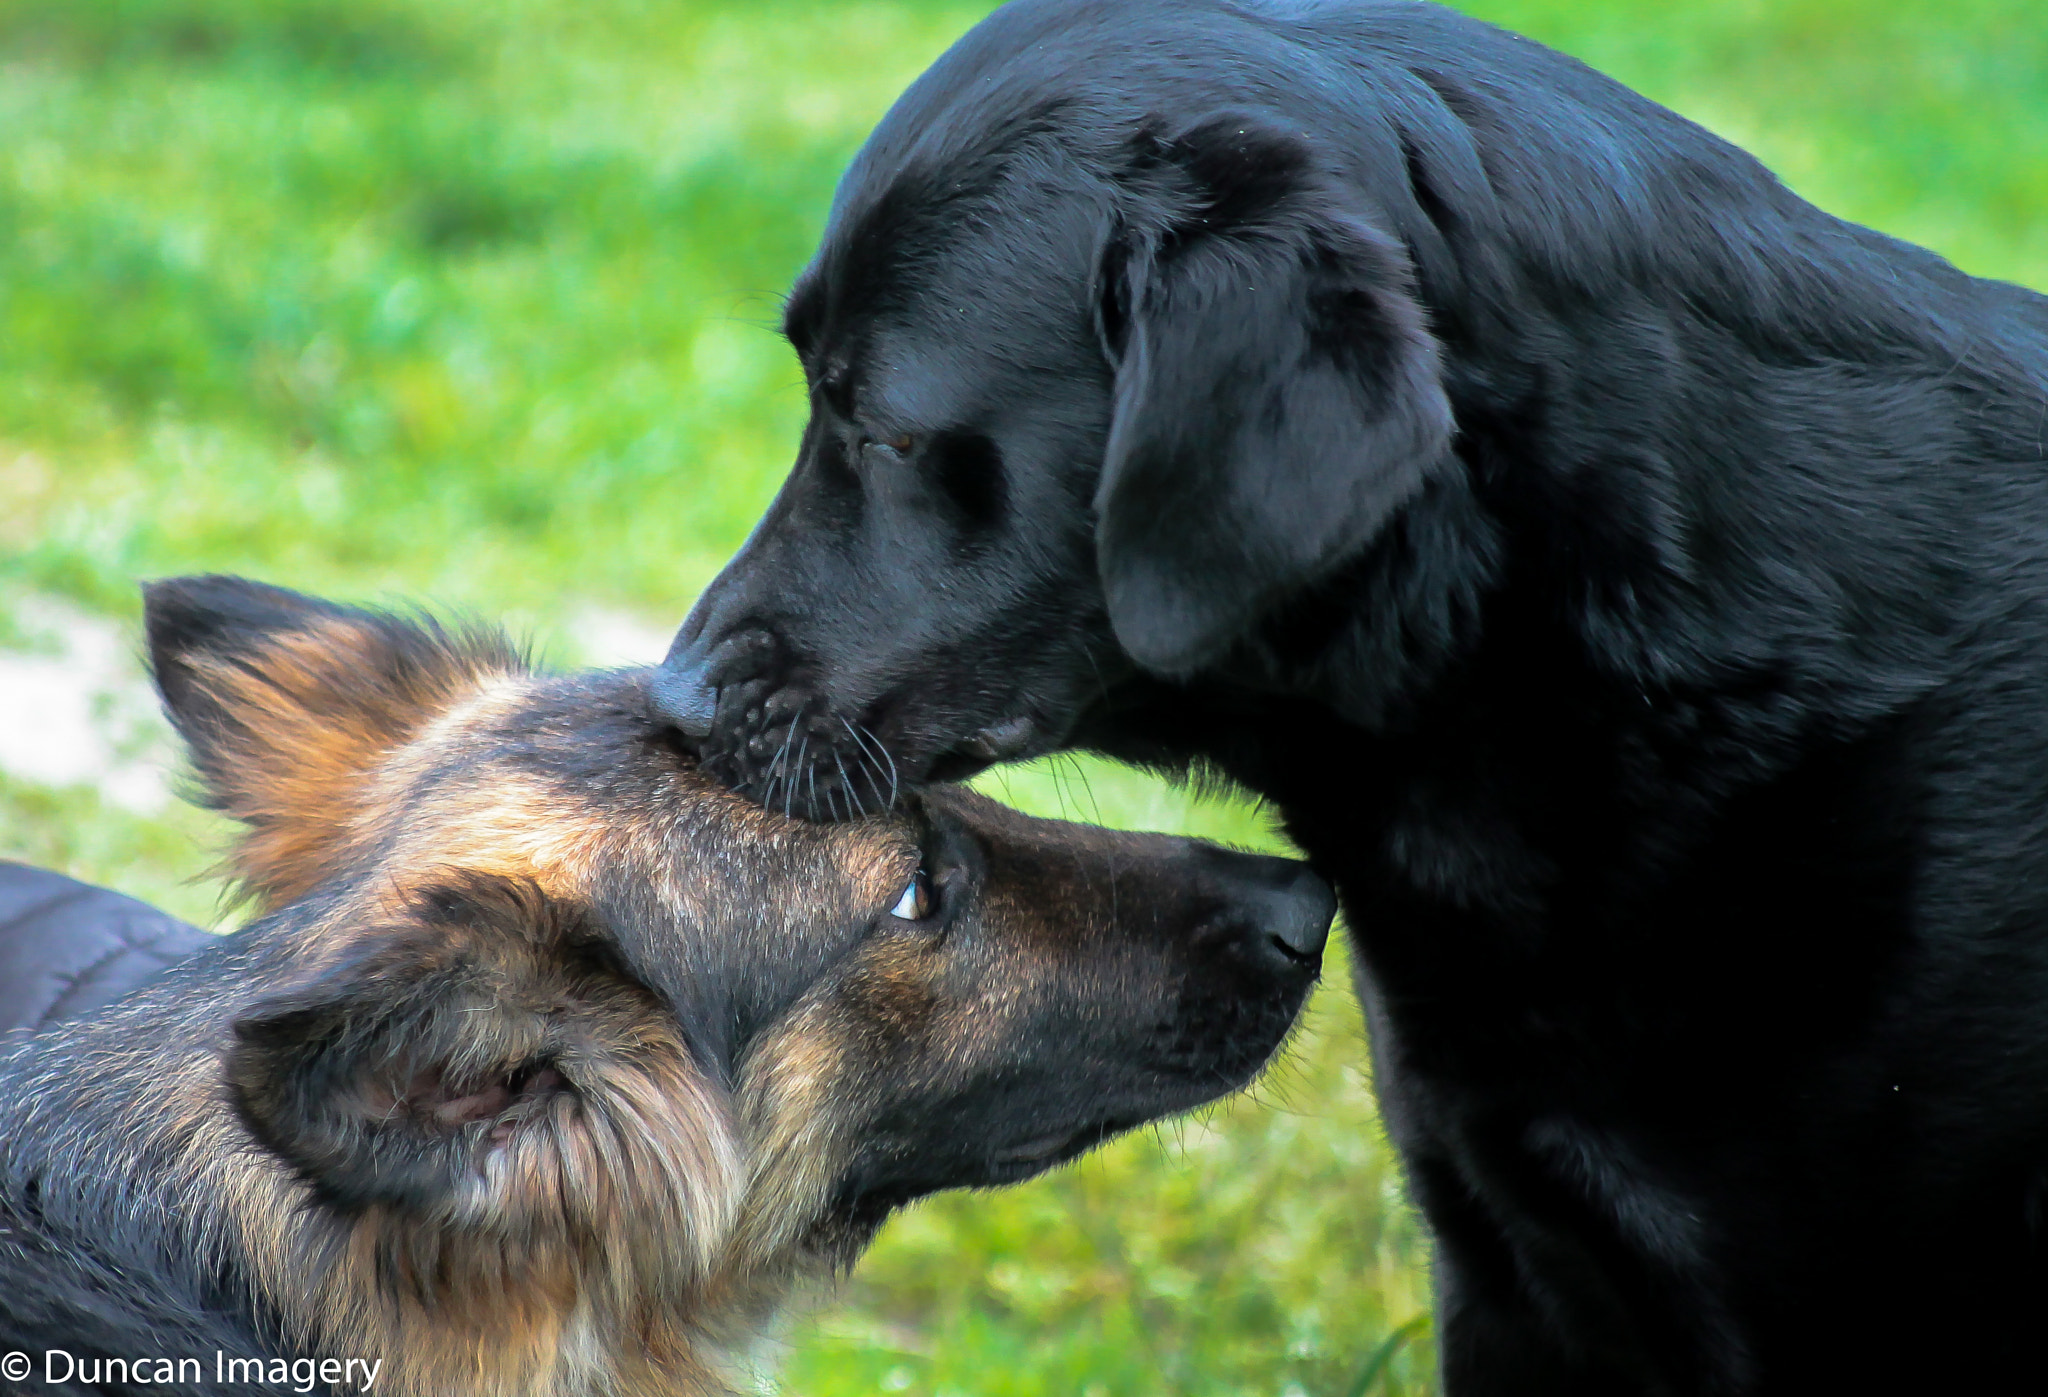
pixel 682 693
pixel 1287 907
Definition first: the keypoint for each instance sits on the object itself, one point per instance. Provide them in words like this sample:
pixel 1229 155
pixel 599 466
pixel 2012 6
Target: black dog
pixel 1630 583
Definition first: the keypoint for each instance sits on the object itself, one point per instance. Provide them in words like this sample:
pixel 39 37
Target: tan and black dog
pixel 551 1065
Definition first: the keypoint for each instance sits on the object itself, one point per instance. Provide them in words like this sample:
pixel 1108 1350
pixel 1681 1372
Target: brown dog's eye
pixel 916 903
pixel 898 445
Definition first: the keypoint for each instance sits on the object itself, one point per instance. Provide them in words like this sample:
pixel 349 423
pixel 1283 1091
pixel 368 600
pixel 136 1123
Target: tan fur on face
pixel 517 828
pixel 796 1134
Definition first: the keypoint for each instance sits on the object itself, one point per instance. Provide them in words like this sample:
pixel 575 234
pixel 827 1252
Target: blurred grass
pixel 473 302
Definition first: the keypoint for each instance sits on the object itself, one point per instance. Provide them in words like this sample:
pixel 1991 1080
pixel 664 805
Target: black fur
pixel 1627 581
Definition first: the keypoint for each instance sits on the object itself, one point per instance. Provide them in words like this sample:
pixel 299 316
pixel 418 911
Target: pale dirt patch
pixel 604 638
pixel 76 708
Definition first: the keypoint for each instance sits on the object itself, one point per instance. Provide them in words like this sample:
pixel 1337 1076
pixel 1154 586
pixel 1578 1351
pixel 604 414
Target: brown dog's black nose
pixel 1286 908
pixel 681 693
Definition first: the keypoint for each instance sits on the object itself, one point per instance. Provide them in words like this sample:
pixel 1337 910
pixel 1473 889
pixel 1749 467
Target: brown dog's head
pixel 543 1029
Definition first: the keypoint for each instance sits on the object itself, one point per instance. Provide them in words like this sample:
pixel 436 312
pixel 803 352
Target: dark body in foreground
pixel 67 948
pixel 552 1065
pixel 1629 582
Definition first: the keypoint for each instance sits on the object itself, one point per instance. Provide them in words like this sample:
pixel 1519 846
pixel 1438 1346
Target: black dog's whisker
pixel 775 767
pixel 870 769
pixel 789 791
pixel 1087 786
pixel 1095 667
pixel 845 781
pixel 867 735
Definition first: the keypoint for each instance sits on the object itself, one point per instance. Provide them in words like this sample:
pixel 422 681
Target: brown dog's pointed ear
pixel 287 703
pixel 484 1065
pixel 1277 392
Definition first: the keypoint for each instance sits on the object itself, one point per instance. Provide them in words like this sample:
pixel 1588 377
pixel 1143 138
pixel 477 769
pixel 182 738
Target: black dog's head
pixel 1107 357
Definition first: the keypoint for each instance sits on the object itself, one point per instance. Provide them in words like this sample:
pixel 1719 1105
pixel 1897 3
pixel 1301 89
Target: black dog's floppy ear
pixel 481 1061
pixel 1277 391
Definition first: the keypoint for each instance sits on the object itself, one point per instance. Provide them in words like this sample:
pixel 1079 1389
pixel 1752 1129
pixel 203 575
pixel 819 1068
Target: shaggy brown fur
pixel 554 1065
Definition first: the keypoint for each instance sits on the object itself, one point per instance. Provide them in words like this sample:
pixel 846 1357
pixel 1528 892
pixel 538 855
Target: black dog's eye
pixel 898 446
pixel 916 903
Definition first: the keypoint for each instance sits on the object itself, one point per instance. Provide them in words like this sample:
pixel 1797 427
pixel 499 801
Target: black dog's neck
pixel 1475 715
pixel 1370 642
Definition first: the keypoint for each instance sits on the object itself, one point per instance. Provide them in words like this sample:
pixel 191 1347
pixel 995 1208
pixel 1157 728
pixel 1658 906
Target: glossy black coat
pixel 1626 580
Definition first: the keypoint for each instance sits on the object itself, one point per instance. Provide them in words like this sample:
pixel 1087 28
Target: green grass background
pixel 472 301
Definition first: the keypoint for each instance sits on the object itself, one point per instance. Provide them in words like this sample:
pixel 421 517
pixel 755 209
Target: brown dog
pixel 551 1065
